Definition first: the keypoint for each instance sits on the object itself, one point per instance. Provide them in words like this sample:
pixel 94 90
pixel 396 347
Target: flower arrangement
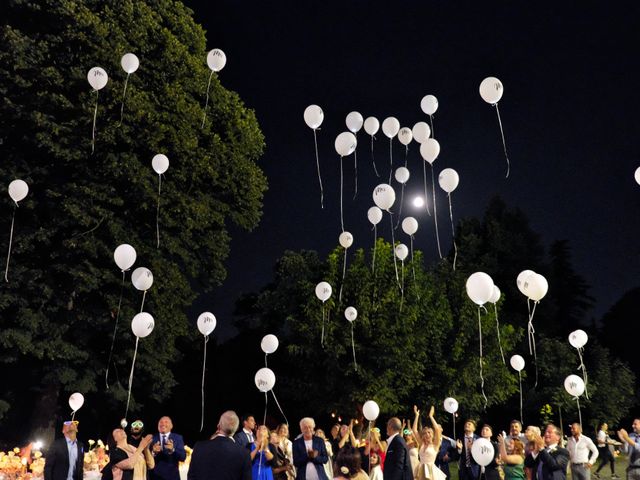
pixel 96 457
pixel 12 465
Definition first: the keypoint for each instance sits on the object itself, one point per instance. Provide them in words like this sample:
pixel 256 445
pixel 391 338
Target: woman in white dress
pixel 429 442
pixel 287 447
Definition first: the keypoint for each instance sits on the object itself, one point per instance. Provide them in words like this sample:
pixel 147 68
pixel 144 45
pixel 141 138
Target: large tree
pixel 58 309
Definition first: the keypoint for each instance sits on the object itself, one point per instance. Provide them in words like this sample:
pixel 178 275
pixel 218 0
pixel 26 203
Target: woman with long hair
pixel 429 442
pixel 261 455
pixel 287 447
pixel 348 465
pixel 512 456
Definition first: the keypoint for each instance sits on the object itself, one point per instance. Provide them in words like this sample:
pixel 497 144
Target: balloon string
pixel 133 364
pixel 406 154
pixel 265 360
pixel 124 93
pixel 435 213
pixel 433 130
pixel 375 242
pixel 504 144
pixel 413 269
pixel 315 142
pixel 584 373
pixel 264 422
pixel 579 413
pixel 344 271
pixel 481 376
pixel 495 309
pixel 206 103
pixel 355 168
pixel 93 131
pixel 393 250
pixel 6 270
pixel 279 407
pixel 402 286
pixel 532 340
pixel 322 336
pixel 401 202
pixel 390 159
pixel 424 176
pixel 73 415
pixel 520 382
pixel 115 329
pixel 158 211
pixel 373 158
pixel 453 233
pixel 341 188
pixel 453 420
pixel 204 363
pixel 353 349
pixel 144 294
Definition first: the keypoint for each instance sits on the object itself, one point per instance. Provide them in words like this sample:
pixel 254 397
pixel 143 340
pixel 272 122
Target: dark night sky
pixel 569 111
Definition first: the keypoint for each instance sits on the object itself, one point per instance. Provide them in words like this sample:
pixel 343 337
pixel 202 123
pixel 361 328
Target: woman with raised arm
pixel 512 458
pixel 429 441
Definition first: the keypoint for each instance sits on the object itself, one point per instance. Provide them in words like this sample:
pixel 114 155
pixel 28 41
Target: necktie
pixel 164 439
pixel 468 450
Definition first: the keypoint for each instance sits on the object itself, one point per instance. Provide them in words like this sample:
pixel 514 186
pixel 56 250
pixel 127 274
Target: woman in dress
pixel 280 464
pixel 374 467
pixel 287 447
pixel 328 467
pixel 261 455
pixel 126 461
pixel 412 446
pixel 429 441
pixel 512 456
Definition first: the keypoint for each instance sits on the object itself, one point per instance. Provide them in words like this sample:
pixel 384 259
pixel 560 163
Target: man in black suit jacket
pixel 245 437
pixel 57 466
pixel 397 464
pixel 468 468
pixel 220 458
pixel 549 463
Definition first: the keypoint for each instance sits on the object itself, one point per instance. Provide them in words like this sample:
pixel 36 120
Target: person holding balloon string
pixel 491 470
pixel 512 457
pixel 377 446
pixel 262 453
pixel 429 442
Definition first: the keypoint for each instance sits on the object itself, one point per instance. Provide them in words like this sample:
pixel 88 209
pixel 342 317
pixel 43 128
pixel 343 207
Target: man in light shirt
pixel 580 446
pixel 309 453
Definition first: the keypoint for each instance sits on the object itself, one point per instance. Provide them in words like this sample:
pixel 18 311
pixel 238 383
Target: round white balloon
pixel 129 63
pixel 429 104
pixel 574 385
pixel 410 226
pixel 313 116
pixel 578 338
pixel 269 343
pixel 517 363
pixel 125 256
pixel 479 288
pixel 421 131
pixel 97 78
pixel 76 400
pixel 370 410
pixel 346 144
pixel 482 451
pixel 448 180
pixel 207 323
pixel 374 214
pixel 350 313
pixel 637 175
pixel 354 122
pixel 401 251
pixel 384 196
pixel 430 149
pixel 160 163
pixel 323 291
pixel 450 405
pixel 491 90
pixel 345 239
pixel 18 190
pixel 216 59
pixel 142 324
pixel 496 295
pixel 390 126
pixel 142 278
pixel 521 278
pixel 535 287
pixel 371 125
pixel 402 175
pixel 405 136
pixel 265 379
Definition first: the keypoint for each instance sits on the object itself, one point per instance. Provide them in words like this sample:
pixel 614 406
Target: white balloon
pixel 216 59
pixel 97 78
pixel 405 136
pixel 421 131
pixel 448 180
pixel 18 190
pixel 429 104
pixel 410 226
pixel 521 278
pixel 450 405
pixel 124 423
pixel 76 400
pixel 129 63
pixel 160 163
pixel 482 451
pixel 345 239
pixel 491 90
pixel 384 196
pixel 535 287
pixel 265 379
pixel 346 144
pixel 323 291
pixel 269 343
pixel 517 363
pixel 574 385
pixel 207 323
pixel 479 287
pixel 374 214
pixel 390 126
pixel 313 116
pixel 142 324
pixel 430 149
pixel 578 338
pixel 401 251
pixel 370 410
pixel 350 313
pixel 402 175
pixel 637 175
pixel 142 278
pixel 354 122
pixel 496 295
pixel 125 256
pixel 371 125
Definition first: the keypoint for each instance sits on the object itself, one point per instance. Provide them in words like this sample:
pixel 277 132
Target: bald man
pixel 397 464
pixel 168 450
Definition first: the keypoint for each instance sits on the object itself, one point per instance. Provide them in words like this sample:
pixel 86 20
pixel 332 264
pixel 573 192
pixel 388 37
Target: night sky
pixel 569 111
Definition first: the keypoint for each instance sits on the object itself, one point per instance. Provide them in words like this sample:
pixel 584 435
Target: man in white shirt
pixel 579 447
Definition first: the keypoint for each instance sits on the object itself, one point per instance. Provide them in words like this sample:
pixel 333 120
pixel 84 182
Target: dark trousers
pixel 606 456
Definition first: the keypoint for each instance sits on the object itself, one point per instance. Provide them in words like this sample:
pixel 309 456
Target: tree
pixel 58 309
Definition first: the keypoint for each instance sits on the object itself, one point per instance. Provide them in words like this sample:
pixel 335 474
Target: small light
pixel 333 415
pixel 418 202
pixel 339 419
pixel 356 422
pixel 37 445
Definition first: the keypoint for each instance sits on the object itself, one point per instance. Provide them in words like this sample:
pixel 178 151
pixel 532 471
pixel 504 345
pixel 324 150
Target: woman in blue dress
pixel 261 455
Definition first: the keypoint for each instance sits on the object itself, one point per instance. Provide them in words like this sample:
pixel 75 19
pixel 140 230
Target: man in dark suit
pixel 550 462
pixel 468 469
pixel 221 458
pixel 309 452
pixel 447 453
pixel 245 437
pixel 65 458
pixel 397 464
pixel 168 450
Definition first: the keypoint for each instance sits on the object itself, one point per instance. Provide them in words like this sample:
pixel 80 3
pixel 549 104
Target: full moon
pixel 418 202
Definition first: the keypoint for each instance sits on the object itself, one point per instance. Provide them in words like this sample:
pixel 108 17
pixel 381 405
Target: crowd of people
pixel 242 450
